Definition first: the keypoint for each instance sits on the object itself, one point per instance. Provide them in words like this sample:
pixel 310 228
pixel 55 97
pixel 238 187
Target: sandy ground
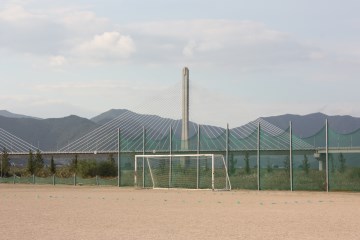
pixel 60 212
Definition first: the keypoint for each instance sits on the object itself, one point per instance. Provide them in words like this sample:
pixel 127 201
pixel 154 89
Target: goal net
pixel 192 171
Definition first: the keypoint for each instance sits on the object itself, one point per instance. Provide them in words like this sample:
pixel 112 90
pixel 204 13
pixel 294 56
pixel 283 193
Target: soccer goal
pixel 192 171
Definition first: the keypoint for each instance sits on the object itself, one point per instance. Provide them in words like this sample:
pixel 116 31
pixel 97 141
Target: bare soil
pixel 63 212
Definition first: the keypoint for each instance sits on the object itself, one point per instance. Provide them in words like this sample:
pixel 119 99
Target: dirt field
pixel 47 212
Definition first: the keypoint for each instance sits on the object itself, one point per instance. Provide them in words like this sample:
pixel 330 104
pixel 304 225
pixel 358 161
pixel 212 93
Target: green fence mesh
pixel 107 181
pixel 24 180
pixel 306 173
pixel 127 170
pixel 7 180
pixel 318 140
pixel 41 180
pixel 274 175
pixel 87 181
pixel 344 172
pixel 65 181
pixel 308 160
pixel 243 174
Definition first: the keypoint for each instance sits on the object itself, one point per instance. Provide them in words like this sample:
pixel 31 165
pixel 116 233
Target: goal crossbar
pixel 168 167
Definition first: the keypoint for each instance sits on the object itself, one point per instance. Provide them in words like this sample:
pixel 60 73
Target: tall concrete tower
pixel 185 109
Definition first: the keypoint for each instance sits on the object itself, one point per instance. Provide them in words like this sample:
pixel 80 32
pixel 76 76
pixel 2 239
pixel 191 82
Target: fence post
pixel 291 160
pixel 227 151
pixel 74 179
pixel 258 156
pixel 143 159
pixel 119 167
pixel 33 176
pixel 170 160
pixel 53 179
pixel 197 159
pixel 327 154
pixel 14 178
pixel 212 173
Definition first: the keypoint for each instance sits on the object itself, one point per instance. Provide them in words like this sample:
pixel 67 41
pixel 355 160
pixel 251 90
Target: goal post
pixel 192 171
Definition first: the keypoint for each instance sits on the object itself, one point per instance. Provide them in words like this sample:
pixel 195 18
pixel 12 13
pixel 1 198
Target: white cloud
pixel 188 50
pixel 76 87
pixel 49 31
pixel 57 61
pixel 316 55
pixel 81 36
pixel 81 19
pixel 215 42
pixel 14 13
pixel 15 98
pixel 237 58
pixel 109 45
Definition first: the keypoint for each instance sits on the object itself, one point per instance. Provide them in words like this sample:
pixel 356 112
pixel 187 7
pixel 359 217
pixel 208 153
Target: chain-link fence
pixel 258 156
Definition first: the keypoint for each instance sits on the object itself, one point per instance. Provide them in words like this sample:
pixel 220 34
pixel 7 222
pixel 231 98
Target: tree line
pixel 36 166
pixel 305 164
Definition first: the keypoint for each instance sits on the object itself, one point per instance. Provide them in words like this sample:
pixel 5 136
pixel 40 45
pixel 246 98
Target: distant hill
pixel 8 114
pixel 308 125
pixel 48 134
pixel 139 120
pixel 108 116
pixel 303 125
pixel 54 133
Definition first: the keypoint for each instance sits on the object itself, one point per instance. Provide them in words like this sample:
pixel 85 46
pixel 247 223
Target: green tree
pixel 331 158
pixel 247 163
pixel 5 163
pixel 232 167
pixel 111 159
pixel 287 164
pixel 87 168
pixel 74 164
pixel 306 164
pixel 30 163
pixel 38 161
pixel 107 169
pixel 52 165
pixel 269 167
pixel 342 162
pixel 162 165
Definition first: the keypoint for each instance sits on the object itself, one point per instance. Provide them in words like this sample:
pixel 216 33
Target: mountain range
pixel 308 125
pixel 54 133
pixel 8 114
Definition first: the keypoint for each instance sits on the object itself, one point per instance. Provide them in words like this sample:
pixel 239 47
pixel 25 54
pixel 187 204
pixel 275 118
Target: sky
pixel 247 59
